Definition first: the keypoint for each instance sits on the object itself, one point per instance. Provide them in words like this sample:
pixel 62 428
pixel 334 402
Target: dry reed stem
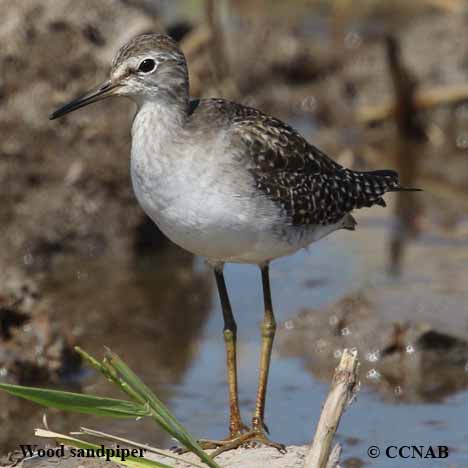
pixel 344 387
pixel 424 100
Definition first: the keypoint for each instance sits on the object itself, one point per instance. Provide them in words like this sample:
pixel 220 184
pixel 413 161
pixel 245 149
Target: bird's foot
pixel 212 444
pixel 252 438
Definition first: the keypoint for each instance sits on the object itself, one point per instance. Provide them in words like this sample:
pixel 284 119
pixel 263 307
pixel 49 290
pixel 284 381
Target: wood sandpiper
pixel 231 184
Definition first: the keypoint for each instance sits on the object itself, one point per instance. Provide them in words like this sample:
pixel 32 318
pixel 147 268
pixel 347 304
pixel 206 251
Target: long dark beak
pixel 102 91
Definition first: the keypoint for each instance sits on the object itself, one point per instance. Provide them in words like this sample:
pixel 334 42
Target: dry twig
pixel 343 391
pixel 424 100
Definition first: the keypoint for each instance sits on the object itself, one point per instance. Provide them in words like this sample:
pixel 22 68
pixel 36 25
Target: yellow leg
pixel 268 335
pixel 240 435
pixel 230 338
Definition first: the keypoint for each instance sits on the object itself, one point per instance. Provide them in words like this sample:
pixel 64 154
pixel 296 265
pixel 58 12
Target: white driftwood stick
pixel 343 390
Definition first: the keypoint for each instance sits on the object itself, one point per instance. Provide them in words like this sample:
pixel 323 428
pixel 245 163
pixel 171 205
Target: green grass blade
pixel 135 383
pixel 161 414
pixel 131 379
pixel 79 403
pixel 130 461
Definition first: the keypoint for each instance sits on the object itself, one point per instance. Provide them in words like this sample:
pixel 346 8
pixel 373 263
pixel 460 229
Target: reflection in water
pixel 411 143
pixel 149 310
pixel 409 363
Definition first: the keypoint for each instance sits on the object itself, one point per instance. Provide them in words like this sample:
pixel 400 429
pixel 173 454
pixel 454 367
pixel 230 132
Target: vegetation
pixel 142 403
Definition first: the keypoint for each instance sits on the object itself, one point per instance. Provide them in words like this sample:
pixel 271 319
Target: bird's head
pixel 149 67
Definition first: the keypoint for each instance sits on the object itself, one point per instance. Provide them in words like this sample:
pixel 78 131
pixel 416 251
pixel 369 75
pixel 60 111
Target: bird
pixel 231 184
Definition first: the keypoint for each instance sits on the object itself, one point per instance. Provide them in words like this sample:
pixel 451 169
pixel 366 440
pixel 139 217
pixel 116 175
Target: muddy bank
pixel 65 185
pixel 34 347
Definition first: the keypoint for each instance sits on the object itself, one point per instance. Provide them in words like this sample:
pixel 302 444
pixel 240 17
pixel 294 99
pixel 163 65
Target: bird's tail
pixel 369 186
pixel 391 177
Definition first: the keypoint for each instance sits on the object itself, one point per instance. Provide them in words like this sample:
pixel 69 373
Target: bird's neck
pixel 159 119
pixel 171 102
pixel 158 145
pixel 157 135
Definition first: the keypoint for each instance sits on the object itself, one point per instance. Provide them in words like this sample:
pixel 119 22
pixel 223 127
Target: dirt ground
pixel 241 458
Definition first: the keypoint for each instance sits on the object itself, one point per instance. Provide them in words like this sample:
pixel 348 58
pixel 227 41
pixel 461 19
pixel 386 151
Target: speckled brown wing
pixel 309 187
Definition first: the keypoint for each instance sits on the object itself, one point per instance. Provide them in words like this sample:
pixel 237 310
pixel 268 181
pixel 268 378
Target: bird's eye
pixel 147 66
